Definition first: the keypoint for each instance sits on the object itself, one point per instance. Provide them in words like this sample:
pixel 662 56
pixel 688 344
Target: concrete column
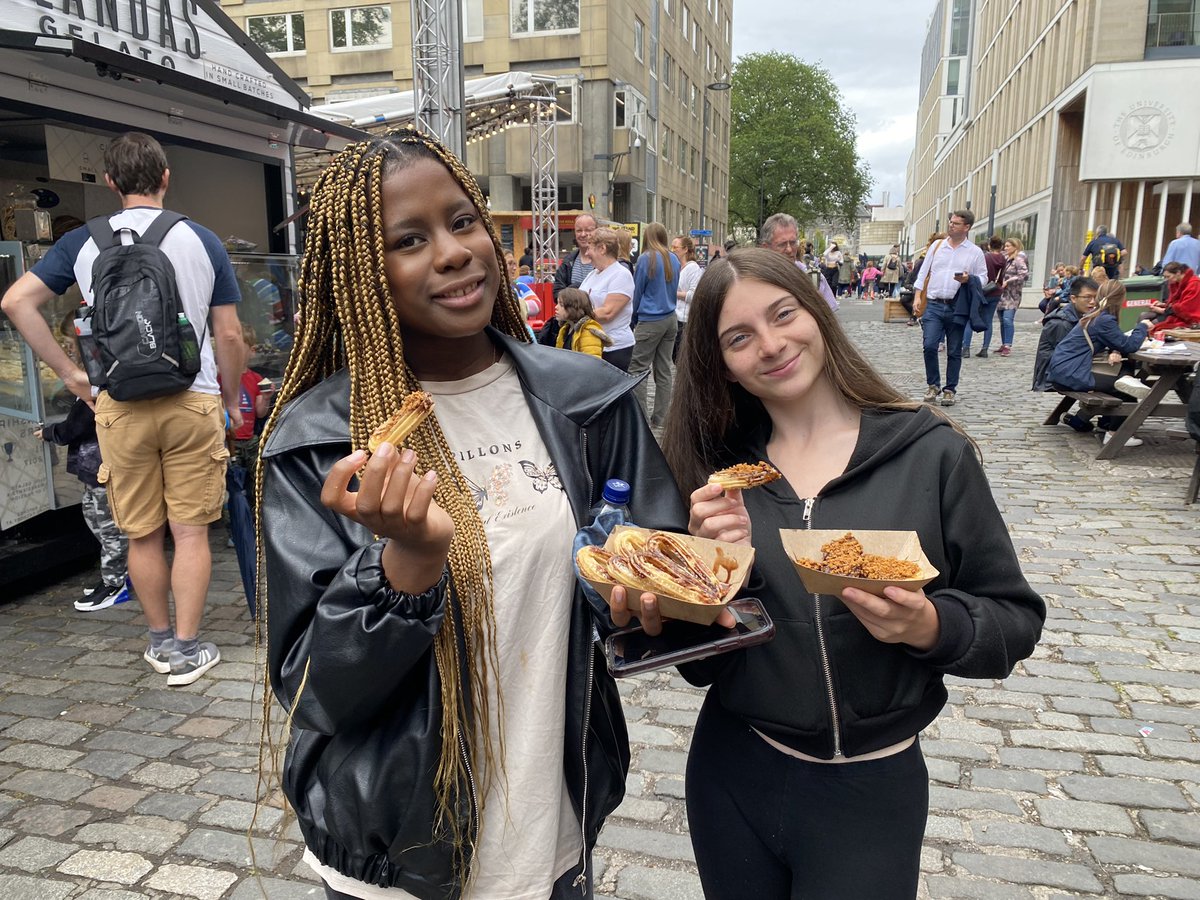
pixel 1116 208
pixel 595 112
pixel 1138 208
pixel 504 191
pixel 1162 222
pixel 1092 208
pixel 1187 201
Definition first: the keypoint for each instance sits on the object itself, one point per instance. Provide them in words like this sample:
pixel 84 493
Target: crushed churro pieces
pixel 844 556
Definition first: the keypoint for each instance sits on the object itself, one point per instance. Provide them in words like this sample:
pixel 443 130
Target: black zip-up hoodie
pixel 824 685
pixel 365 738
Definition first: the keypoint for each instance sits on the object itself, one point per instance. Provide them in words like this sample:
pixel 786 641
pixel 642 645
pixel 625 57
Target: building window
pixel 695 159
pixel 566 99
pixel 668 70
pixel 472 20
pixel 960 27
pixel 277 35
pixel 653 56
pixel 1172 23
pixel 952 67
pixel 695 100
pixel 639 39
pixel 539 16
pixel 669 7
pixel 695 37
pixel 684 21
pixel 629 110
pixel 360 28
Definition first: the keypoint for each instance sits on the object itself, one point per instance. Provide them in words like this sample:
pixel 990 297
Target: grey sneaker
pixel 931 393
pixel 186 669
pixel 160 659
pixel 947 398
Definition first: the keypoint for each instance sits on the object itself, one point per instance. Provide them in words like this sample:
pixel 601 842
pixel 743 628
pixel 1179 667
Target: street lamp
pixel 762 174
pixel 715 86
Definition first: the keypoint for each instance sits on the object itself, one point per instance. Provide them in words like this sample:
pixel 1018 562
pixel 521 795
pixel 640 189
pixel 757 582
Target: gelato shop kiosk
pixel 72 77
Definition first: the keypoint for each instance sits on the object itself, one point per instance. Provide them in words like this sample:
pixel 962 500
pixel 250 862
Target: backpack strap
pixel 164 222
pixel 102 232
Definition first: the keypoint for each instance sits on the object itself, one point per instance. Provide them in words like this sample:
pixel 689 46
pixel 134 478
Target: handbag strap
pixel 929 272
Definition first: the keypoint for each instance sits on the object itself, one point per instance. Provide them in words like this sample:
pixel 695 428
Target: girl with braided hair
pixel 452 731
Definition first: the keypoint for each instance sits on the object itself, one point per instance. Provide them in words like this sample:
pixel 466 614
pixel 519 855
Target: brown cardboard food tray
pixel 676 607
pixel 806 544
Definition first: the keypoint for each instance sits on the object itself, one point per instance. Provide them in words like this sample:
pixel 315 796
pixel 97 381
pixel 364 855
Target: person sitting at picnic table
pixel 1182 309
pixel 1057 325
pixel 1073 365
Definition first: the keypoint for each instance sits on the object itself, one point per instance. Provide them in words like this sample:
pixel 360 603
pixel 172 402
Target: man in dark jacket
pixel 577 264
pixel 1058 324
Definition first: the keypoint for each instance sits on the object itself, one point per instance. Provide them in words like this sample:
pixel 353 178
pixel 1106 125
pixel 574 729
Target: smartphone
pixel 631 651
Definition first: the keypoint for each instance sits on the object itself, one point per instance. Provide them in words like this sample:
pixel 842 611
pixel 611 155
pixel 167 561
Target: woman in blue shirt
pixel 655 285
pixel 1071 365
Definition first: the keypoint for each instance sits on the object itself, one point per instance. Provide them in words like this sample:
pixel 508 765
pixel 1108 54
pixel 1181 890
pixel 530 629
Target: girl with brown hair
pixel 656 283
pixel 580 331
pixel 1077 366
pixel 452 731
pixel 831 792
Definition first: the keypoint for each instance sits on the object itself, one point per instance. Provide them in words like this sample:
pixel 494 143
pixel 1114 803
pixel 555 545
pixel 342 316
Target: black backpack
pixel 145 343
pixel 1110 255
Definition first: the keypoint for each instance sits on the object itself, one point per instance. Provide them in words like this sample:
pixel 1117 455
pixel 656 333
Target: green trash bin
pixel 1140 292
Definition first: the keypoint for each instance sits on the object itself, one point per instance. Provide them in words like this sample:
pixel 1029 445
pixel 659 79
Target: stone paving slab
pixel 1077 777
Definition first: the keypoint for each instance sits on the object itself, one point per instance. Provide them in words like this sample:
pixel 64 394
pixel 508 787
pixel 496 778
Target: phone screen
pixel 632 651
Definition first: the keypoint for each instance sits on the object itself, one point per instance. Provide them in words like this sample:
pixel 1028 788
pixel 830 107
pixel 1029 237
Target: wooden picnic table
pixel 1169 367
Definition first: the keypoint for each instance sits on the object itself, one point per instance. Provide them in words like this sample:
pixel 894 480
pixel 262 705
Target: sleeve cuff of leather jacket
pixel 373 583
pixel 956 632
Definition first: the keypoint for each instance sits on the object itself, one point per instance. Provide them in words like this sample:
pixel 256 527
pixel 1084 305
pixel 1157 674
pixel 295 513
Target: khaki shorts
pixel 164 460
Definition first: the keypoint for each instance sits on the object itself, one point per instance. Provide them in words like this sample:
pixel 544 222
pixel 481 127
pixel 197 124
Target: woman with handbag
pixel 1091 356
pixel 994 259
pixel 1016 271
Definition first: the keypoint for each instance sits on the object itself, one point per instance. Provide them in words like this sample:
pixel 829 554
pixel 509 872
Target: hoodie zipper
pixel 833 713
pixel 462 746
pixel 582 879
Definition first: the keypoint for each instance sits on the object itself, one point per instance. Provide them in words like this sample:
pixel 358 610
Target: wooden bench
pixel 1089 401
pixel 894 311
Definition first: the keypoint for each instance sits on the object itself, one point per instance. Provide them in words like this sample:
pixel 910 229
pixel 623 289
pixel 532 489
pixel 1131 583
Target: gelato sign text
pixel 149 29
pixel 1144 129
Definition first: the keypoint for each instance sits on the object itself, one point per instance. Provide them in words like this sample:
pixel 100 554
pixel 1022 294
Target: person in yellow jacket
pixel 580 331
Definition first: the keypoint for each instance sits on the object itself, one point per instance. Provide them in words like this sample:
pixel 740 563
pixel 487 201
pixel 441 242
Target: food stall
pixel 72 76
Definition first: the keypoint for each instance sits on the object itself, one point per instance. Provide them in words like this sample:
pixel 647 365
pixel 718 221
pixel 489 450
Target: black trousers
pixel 619 358
pixel 769 826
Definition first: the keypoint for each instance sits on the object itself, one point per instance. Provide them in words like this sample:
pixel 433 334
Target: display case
pixel 33 476
pixel 268 282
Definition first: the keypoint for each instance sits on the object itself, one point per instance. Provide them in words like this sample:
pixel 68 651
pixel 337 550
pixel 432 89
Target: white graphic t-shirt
pixel 530 834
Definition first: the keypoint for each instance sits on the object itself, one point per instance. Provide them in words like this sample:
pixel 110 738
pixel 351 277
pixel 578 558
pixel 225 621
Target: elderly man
pixel 1184 249
pixel 948 265
pixel 781 233
pixel 578 263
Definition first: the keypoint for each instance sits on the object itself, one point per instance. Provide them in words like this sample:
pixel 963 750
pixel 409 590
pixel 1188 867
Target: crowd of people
pixel 422 645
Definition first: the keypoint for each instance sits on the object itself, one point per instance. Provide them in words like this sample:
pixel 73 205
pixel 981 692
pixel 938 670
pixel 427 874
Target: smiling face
pixel 769 343
pixel 585 227
pixel 440 260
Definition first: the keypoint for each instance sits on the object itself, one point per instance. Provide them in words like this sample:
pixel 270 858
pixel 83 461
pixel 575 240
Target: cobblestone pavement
pixel 1077 776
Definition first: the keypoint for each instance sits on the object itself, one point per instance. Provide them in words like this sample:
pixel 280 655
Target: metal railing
pixel 1173 29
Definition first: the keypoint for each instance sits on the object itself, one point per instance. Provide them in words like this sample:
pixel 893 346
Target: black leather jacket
pixel 366 728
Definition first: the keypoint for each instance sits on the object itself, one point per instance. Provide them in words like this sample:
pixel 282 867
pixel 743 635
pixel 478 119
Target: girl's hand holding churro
pixel 394 502
pixel 719 514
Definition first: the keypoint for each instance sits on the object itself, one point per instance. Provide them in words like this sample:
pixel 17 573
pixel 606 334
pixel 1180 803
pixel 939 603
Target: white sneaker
pixel 1127 384
pixel 1132 442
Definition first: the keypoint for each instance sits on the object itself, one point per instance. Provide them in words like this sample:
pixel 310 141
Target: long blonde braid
pixel 348 319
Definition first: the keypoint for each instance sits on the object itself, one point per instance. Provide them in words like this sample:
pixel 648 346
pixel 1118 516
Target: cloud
pixel 874 58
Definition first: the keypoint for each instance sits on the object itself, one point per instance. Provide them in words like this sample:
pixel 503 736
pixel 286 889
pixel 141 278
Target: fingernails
pixel 407 455
pixel 385 450
pixel 358 456
pixel 431 476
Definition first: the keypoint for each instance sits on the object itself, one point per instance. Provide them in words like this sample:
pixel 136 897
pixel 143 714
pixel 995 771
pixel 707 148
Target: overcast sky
pixel 872 48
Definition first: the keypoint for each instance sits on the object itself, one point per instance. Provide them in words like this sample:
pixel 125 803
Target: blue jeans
pixel 937 322
pixel 1007 327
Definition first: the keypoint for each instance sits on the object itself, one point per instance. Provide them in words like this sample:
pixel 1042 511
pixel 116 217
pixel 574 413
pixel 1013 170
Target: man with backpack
pixel 150 280
pixel 1105 250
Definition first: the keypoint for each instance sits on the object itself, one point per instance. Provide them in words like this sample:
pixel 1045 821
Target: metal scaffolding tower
pixel 438 71
pixel 543 152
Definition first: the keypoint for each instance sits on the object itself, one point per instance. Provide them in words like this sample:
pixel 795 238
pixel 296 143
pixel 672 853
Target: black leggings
pixel 773 827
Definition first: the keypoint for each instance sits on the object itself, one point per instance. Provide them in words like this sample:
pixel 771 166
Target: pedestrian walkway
pixel 1078 776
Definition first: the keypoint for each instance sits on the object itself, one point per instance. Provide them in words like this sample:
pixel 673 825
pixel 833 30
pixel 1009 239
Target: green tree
pixel 792 144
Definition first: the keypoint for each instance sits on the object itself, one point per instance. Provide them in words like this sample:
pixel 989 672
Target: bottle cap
pixel 617 492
